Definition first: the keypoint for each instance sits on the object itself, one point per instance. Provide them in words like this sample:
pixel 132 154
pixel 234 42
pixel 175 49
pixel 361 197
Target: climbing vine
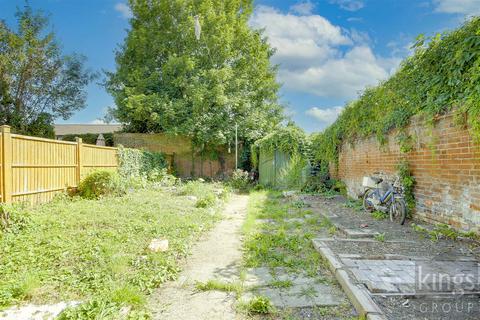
pixel 289 139
pixel 443 75
pixel 408 182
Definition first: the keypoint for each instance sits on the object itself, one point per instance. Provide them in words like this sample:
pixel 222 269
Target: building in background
pixel 62 130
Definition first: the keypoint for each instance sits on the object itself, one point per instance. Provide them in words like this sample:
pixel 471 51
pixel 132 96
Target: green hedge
pixel 442 76
pixel 139 163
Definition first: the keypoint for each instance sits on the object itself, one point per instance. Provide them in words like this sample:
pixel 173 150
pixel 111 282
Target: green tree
pixel 168 81
pixel 37 83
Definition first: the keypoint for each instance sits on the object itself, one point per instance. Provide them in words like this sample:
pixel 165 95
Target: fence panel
pixel 34 169
pixel 41 168
pixel 97 157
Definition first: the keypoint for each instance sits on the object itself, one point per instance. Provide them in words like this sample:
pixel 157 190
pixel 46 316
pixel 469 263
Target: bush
pixel 100 183
pixel 136 163
pixel 239 180
pixel 260 305
pixel 207 201
pixel 13 218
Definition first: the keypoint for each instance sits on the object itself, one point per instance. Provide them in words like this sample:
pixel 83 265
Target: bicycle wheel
pixel 367 202
pixel 398 211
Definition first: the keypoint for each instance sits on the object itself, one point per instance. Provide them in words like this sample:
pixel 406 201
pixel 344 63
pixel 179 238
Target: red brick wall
pixel 445 162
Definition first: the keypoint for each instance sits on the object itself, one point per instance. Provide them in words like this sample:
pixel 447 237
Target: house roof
pixel 64 129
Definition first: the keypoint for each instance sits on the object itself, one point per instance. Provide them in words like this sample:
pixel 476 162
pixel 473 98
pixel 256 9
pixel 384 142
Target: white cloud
pixel 97 121
pixel 326 116
pixel 318 57
pixel 349 5
pixel 467 7
pixel 299 40
pixel 303 8
pixel 341 77
pixel 124 10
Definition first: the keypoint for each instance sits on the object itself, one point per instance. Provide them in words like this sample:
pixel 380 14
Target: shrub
pixel 260 305
pixel 134 163
pixel 207 201
pixel 239 180
pixel 100 183
pixel 13 218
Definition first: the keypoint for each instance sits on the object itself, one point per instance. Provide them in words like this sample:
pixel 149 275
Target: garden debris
pixel 36 312
pixel 158 245
pixel 192 198
pixel 289 194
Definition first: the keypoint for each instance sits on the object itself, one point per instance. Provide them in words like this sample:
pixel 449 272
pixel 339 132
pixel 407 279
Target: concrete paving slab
pixel 359 233
pixel 311 295
pixel 256 277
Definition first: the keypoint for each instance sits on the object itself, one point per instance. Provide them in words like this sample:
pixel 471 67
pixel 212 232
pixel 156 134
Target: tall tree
pixel 37 83
pixel 168 80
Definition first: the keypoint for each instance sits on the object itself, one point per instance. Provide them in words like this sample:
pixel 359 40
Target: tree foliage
pixel 168 81
pixel 443 75
pixel 37 83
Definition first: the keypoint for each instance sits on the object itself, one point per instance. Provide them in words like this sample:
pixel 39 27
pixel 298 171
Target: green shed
pixel 274 169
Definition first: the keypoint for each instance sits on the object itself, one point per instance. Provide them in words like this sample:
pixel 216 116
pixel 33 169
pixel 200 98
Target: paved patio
pixel 406 276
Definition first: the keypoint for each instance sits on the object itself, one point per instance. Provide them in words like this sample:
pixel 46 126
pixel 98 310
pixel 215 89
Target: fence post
pixel 79 160
pixel 6 164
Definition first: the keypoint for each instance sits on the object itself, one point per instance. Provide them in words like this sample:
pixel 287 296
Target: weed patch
pixel 379 215
pixel 260 305
pixel 217 285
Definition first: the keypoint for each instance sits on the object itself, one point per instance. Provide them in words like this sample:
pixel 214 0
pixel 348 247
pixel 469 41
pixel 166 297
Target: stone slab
pixel 311 295
pixel 298 296
pixel 257 277
pixel 359 233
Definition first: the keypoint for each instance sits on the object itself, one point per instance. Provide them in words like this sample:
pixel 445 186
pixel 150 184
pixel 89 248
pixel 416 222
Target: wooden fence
pixel 34 169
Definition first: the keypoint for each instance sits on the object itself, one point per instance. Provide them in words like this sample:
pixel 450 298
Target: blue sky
pixel 328 50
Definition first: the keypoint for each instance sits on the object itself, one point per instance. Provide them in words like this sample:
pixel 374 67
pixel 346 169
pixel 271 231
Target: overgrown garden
pixel 93 247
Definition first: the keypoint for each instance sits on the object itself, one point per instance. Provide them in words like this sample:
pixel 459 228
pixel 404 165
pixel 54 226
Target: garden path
pixel 217 256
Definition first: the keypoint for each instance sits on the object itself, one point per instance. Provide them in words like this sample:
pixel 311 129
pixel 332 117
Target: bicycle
pixel 389 201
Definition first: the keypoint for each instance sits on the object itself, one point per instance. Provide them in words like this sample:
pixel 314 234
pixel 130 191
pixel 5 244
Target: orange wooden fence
pixel 35 169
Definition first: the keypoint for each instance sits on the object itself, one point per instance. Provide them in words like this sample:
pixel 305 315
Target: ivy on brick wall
pixel 443 75
pixel 408 182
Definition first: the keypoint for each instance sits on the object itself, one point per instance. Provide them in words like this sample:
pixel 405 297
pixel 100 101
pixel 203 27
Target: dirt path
pixel 218 256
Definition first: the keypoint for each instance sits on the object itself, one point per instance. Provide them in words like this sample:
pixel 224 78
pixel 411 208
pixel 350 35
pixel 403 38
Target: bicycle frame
pixel 388 197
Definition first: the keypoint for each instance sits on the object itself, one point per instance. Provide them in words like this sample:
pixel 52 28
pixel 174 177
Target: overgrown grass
pixel 444 231
pixel 380 237
pixel 218 285
pixel 285 241
pixel 281 243
pixel 95 251
pixel 379 215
